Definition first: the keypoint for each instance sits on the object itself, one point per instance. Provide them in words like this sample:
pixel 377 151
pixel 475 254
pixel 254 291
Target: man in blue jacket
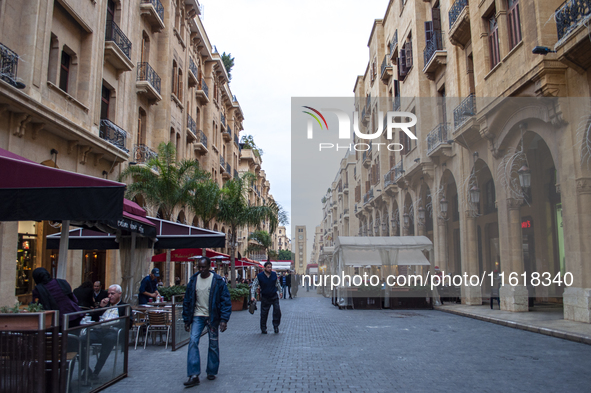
pixel 270 295
pixel 207 303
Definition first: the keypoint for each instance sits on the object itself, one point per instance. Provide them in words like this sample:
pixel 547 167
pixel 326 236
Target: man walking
pixel 270 295
pixel 149 287
pixel 207 303
pixel 288 285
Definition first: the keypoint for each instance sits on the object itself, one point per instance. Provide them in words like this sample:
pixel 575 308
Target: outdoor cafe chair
pixel 139 323
pixel 158 322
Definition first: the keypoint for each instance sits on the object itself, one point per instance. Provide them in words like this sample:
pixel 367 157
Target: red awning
pixel 185 254
pixel 31 191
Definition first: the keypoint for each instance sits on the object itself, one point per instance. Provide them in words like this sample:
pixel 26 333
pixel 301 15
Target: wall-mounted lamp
pixel 443 205
pixel 421 214
pixel 542 50
pixel 54 153
pixel 418 159
pixel 475 194
pixel 524 176
pixel 406 219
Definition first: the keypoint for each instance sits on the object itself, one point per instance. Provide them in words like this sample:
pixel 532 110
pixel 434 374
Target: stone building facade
pixel 498 177
pixel 94 86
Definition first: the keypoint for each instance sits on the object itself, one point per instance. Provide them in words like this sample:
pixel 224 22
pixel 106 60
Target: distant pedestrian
pixel 270 295
pixel 98 294
pixel 283 279
pixel 288 284
pixel 295 280
pixel 207 303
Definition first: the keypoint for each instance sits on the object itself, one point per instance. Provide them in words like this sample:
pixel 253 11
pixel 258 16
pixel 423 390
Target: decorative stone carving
pixel 84 154
pixel 514 203
pixel 584 186
pixel 97 158
pixel 71 145
pixel 20 123
pixel 35 128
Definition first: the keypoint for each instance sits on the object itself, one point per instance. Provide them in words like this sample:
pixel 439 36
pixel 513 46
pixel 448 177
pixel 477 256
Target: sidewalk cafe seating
pixel 158 321
pixel 139 323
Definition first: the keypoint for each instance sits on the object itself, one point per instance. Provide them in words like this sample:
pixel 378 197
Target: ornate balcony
pixel 191 129
pixel 117 47
pixel 394 44
pixel 200 145
pixel 148 82
pixel 464 111
pixel 434 55
pixel 386 70
pixel 223 118
pixel 367 156
pixel 573 46
pixel 368 196
pixel 153 11
pixel 346 188
pixel 390 182
pixel 459 23
pixel 222 164
pixel 142 154
pixel 8 65
pixel 193 73
pixel 398 171
pixel 437 140
pixel 113 134
pixel 227 134
pixel 202 94
pixel 227 174
pixel 466 130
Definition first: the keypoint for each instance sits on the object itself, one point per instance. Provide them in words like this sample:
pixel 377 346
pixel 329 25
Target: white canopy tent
pixel 382 251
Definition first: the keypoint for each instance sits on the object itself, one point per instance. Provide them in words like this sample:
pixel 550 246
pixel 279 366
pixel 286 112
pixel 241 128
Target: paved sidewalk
pixel 544 320
pixel 323 349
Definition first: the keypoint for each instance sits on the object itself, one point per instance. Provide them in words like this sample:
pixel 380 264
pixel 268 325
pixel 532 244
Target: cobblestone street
pixel 323 349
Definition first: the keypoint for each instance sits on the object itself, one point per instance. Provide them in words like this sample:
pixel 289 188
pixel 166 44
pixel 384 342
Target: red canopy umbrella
pixel 185 254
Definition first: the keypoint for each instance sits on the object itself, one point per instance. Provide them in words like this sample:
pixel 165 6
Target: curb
pixel 522 326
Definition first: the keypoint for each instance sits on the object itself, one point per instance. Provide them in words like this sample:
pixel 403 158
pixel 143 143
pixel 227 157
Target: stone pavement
pixel 323 349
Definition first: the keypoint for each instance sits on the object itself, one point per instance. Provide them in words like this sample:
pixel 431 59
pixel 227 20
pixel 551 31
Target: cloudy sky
pixel 286 49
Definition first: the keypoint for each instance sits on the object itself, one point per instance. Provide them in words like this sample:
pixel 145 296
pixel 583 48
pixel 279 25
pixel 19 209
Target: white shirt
pixel 202 289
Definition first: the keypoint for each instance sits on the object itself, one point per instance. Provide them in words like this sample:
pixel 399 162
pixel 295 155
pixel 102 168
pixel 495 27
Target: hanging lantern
pixel 475 194
pixel 421 214
pixel 443 205
pixel 376 228
pixel 384 227
pixel 524 176
pixel 406 219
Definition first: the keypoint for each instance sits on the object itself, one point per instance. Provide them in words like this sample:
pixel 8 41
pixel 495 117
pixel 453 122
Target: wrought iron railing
pixel 114 33
pixel 364 155
pixel 434 44
pixel 236 139
pixel 193 68
pixel 113 134
pixel 228 168
pixel 385 64
pixel 398 171
pixel 157 6
pixel 223 120
pixel 8 64
pixel 191 125
pixel 146 73
pixel 368 196
pixel 143 154
pixel 464 111
pixel 222 162
pixel 204 87
pixel 436 137
pixel 394 42
pixel 202 138
pixel 455 11
pixel 396 103
pixel 389 178
pixel 235 174
pixel 570 15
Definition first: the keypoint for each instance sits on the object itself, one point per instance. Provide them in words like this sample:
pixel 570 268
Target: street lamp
pixel 475 194
pixel 524 177
pixel 443 205
pixel 421 214
pixel 406 219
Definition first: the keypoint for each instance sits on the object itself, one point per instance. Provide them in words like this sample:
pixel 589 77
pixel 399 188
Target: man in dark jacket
pixel 207 303
pixel 270 295
pixel 98 294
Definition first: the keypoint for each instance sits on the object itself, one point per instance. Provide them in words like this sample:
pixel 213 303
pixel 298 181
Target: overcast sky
pixel 287 49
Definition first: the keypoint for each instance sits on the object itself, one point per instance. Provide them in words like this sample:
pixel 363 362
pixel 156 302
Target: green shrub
pixel 169 292
pixel 238 293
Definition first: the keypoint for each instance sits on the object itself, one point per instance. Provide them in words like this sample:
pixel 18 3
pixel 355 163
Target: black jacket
pixel 220 306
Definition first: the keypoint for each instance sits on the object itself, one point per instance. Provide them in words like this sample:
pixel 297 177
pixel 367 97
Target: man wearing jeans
pixel 270 295
pixel 206 303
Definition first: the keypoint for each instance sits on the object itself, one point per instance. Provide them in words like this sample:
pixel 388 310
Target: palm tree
pixel 235 212
pixel 164 182
pixel 264 240
pixel 204 201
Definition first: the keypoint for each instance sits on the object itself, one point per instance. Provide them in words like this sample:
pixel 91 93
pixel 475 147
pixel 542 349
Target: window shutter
pixel 402 63
pixel 396 88
pixel 408 49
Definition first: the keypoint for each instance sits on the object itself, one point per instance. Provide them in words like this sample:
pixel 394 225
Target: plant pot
pixel 27 321
pixel 237 304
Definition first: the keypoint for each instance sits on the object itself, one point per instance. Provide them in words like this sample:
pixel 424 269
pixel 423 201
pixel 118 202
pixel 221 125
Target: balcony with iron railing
pixel 389 179
pixel 200 145
pixel 142 153
pixel 394 43
pixel 386 69
pixel 434 54
pixel 153 11
pixel 148 82
pixel 459 23
pixel 346 188
pixel 191 129
pixel 464 111
pixel 117 47
pixel 396 103
pixel 202 93
pixel 223 119
pixel 346 213
pixel 9 66
pixel 227 134
pixel 227 174
pixel 193 73
pixel 438 138
pixel 222 163
pixel 572 25
pixel 398 171
pixel 113 134
pixel 368 196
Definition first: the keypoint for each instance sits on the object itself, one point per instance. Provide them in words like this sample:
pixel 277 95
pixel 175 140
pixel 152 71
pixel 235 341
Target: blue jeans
pixel 213 354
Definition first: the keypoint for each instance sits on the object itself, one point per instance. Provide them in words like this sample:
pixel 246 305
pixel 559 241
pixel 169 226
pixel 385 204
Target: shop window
pixel 26 257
